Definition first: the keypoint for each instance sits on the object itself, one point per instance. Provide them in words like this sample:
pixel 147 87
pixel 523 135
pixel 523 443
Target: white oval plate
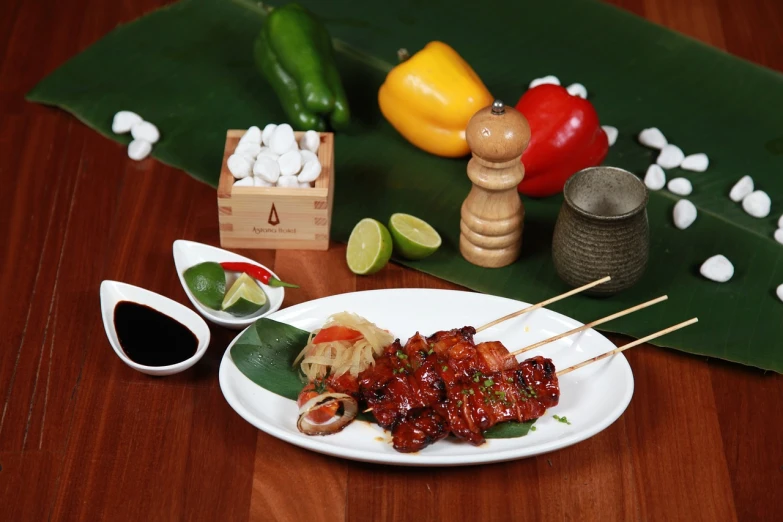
pixel 592 398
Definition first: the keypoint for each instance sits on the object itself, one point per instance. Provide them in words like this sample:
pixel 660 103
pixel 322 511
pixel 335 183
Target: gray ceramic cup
pixel 602 230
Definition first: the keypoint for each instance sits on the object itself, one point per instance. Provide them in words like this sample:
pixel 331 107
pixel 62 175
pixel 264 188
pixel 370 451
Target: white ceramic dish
pixel 112 292
pixel 592 398
pixel 189 253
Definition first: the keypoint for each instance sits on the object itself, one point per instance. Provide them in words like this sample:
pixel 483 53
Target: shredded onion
pixel 338 422
pixel 338 357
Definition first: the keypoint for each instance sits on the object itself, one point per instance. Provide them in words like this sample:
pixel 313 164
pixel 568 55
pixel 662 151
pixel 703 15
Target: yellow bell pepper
pixel 430 97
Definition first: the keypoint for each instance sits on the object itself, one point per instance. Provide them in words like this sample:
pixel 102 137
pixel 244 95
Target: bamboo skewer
pixel 544 303
pixel 629 345
pixel 589 325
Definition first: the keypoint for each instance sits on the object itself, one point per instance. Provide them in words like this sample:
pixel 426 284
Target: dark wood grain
pixel 84 437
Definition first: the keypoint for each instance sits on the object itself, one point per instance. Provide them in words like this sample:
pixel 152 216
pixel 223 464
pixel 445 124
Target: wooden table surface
pixel 84 437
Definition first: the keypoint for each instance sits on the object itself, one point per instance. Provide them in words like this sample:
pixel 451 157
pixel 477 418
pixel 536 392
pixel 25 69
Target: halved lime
pixel 369 247
pixel 245 297
pixel 207 283
pixel 413 238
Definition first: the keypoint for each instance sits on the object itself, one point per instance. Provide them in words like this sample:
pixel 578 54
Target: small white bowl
pixel 190 253
pixel 112 292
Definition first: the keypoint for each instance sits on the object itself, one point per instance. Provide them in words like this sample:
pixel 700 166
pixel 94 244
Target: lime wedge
pixel 245 297
pixel 413 237
pixel 207 283
pixel 369 247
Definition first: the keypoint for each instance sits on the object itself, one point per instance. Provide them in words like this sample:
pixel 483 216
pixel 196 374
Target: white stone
pixel 288 181
pixel 671 156
pixel 779 235
pixel 245 182
pixel 684 214
pixel 310 141
pixel 139 149
pixel 545 80
pixel 239 166
pixel 695 162
pixel 304 185
pixel 308 156
pixel 267 152
pixel 123 121
pixel 261 182
pixel 267 169
pixel 310 172
pixel 757 204
pixel 741 188
pixel 780 222
pixel 611 133
pixel 780 292
pixel 652 138
pixel 680 186
pixel 655 178
pixel 577 89
pixel 146 131
pixel 290 163
pixel 251 135
pixel 248 149
pixel 266 134
pixel 718 269
pixel 282 139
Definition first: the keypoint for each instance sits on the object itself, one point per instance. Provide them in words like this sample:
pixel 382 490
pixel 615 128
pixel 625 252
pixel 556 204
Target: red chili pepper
pixel 565 137
pixel 257 272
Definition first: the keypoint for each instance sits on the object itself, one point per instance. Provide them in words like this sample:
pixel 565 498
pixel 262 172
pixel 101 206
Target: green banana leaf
pixel 189 69
pixel 265 353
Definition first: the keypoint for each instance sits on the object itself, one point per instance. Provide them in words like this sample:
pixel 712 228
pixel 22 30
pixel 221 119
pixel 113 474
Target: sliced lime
pixel 369 247
pixel 245 297
pixel 413 238
pixel 207 283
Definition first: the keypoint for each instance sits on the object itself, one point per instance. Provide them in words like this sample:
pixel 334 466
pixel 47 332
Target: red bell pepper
pixel 565 137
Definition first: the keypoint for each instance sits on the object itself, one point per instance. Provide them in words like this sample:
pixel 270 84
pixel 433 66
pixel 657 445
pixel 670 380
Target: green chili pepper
pixel 294 53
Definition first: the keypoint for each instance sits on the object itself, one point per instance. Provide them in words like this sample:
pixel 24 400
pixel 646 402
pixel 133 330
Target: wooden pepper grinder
pixel 493 214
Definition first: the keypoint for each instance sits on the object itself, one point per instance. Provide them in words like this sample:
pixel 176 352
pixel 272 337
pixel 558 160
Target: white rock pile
pixel 144 133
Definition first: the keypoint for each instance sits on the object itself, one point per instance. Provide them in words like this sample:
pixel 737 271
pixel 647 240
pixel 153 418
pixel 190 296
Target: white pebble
pixel 245 182
pixel 684 214
pixel 294 146
pixel 308 156
pixel 695 162
pixel 671 156
pixel 310 141
pixel 248 149
pixel 680 186
pixel 310 172
pixel 653 138
pixel 287 181
pixel 146 131
pixel 123 121
pixel 757 204
pixel 741 189
pixel 779 235
pixel 139 149
pixel 718 269
pixel 266 135
pixel 290 163
pixel 267 169
pixel 267 152
pixel 655 178
pixel 780 292
pixel 251 135
pixel 577 89
pixel 261 182
pixel 545 80
pixel 239 166
pixel 611 133
pixel 304 185
pixel 281 139
pixel 780 222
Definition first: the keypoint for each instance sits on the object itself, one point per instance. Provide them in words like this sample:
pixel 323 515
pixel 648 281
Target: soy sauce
pixel 150 337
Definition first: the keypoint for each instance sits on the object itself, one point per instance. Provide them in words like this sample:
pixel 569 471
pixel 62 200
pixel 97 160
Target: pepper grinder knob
pixel 492 215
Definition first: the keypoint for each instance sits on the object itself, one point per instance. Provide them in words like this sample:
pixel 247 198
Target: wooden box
pixel 274 217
